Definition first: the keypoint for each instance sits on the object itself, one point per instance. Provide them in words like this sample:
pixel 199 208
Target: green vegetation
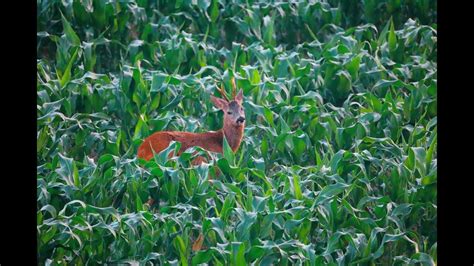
pixel 338 163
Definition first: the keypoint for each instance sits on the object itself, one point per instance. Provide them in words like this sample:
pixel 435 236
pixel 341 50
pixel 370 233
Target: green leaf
pixel 66 170
pixel 386 238
pixel 431 150
pixel 203 256
pixel 214 11
pixel 353 66
pixel 336 159
pixel 238 253
pixel 227 207
pixel 269 31
pixel 66 77
pixel 296 187
pixel 299 143
pixel 329 192
pixel 227 152
pixel 70 33
pixel 423 259
pixel 182 250
pixel 105 158
pixel 139 203
pixel 77 181
pixel 157 83
pixel 42 139
pixel 392 37
pixel 255 77
pixel 138 129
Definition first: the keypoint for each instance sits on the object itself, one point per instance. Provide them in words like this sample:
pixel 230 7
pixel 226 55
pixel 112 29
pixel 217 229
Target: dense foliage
pixel 337 166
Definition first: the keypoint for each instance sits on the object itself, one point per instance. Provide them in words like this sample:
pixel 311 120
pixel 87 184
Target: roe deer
pixel 233 130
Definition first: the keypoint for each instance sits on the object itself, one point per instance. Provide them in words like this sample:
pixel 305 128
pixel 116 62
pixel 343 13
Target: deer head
pixel 234 114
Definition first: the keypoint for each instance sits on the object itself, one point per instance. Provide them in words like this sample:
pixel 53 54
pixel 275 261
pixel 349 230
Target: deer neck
pixel 233 135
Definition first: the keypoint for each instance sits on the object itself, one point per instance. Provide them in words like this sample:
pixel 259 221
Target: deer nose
pixel 240 119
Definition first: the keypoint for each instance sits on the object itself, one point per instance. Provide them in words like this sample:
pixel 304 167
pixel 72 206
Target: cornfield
pixel 338 165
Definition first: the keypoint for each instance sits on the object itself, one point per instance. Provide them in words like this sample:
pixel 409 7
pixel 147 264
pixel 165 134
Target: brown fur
pixel 233 130
pixel 210 141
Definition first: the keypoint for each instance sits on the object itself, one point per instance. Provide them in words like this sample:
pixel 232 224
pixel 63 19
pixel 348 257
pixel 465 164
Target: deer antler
pixel 222 91
pixel 234 87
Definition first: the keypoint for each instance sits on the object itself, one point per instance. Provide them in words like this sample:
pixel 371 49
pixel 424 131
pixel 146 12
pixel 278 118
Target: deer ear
pixel 219 103
pixel 240 97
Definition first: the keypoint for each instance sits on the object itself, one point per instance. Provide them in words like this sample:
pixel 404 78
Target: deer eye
pixel 229 113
